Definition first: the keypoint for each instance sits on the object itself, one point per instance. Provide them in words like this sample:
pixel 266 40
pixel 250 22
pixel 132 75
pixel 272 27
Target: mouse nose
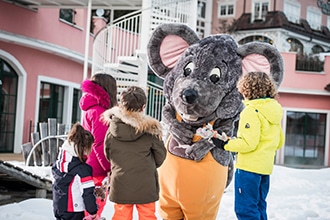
pixel 189 96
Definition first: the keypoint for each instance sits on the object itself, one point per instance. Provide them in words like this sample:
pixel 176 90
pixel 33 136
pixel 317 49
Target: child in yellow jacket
pixel 259 136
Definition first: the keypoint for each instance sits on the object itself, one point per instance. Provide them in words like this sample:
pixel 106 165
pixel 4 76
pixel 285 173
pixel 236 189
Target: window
pixel 8 102
pixel 317 49
pixel 67 15
pixel 255 38
pixel 226 10
pixel 314 17
pixel 305 138
pixel 260 10
pixel 51 102
pixel 201 18
pixel 296 46
pixel 328 23
pixel 76 112
pixel 201 9
pixel 292 11
pixel 58 99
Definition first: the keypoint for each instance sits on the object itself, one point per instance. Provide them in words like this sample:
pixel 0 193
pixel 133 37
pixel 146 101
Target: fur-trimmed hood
pixel 142 123
pixel 94 95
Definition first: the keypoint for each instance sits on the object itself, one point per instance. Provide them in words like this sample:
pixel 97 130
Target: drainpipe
pixel 88 27
pixel 145 24
pixel 192 22
pixel 145 35
pixel 244 5
pixel 208 17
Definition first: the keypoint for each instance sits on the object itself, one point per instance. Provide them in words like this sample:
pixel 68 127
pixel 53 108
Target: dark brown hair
pixel 256 85
pixel 82 140
pixel 133 99
pixel 109 84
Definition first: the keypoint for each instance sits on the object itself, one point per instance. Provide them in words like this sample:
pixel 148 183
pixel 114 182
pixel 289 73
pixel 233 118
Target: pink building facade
pixel 41 68
pixel 306 120
pixel 300 30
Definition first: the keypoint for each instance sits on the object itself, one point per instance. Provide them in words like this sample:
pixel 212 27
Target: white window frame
pixel 226 4
pixel 21 94
pixel 68 96
pixel 281 153
pixel 292 10
pixel 314 17
pixel 73 14
pixel 253 13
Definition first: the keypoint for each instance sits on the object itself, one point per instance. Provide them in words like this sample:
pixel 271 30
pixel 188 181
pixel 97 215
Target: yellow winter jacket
pixel 259 136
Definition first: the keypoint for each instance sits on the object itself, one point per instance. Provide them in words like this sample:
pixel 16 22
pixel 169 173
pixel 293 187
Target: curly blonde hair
pixel 256 85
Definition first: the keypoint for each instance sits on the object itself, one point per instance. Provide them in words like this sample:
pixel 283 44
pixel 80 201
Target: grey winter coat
pixel 135 149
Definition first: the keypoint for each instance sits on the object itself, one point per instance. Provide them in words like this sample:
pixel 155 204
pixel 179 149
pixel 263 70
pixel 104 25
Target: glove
pixel 93 217
pixel 220 140
pixel 222 136
pixel 207 132
pixel 90 217
pixel 100 192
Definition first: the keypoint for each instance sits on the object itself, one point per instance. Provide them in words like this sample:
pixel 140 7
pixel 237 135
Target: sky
pixel 295 194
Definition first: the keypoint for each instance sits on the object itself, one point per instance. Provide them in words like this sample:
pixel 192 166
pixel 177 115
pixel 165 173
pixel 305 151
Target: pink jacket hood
pixel 94 95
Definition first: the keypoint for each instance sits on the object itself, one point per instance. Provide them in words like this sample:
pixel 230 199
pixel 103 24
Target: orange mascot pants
pixel 191 190
pixel 125 211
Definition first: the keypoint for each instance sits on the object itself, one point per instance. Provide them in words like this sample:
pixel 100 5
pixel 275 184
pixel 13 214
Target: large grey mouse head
pixel 200 76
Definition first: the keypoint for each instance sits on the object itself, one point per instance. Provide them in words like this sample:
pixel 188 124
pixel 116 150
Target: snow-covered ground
pixel 295 194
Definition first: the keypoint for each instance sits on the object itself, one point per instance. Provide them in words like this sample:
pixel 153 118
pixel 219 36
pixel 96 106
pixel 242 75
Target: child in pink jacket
pixel 100 94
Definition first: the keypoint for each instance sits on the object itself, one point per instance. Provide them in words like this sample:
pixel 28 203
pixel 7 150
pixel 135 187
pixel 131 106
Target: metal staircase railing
pixel 123 36
pixel 156 100
pixel 119 50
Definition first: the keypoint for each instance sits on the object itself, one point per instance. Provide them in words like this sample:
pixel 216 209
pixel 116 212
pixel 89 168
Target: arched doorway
pixel 8 104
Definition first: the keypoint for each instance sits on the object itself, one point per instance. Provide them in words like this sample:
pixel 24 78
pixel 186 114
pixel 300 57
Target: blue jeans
pixel 251 190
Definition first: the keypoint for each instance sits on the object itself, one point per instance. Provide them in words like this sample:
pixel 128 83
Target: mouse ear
pixel 167 43
pixel 257 56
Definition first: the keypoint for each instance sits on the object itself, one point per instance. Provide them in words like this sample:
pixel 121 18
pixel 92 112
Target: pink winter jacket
pixel 94 102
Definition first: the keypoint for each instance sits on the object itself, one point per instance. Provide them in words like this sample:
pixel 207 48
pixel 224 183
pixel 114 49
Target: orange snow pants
pixel 125 211
pixel 191 190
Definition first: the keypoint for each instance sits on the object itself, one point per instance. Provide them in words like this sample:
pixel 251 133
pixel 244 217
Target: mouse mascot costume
pixel 200 77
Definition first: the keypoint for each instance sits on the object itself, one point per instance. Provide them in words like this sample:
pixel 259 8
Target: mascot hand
pixel 222 136
pixel 198 150
pixel 181 132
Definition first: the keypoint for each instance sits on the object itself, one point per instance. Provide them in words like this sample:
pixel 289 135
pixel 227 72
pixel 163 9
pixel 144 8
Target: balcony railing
pixel 309 63
pixel 156 100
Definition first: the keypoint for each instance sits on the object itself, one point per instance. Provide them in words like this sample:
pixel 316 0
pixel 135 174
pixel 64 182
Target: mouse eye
pixel 215 75
pixel 188 69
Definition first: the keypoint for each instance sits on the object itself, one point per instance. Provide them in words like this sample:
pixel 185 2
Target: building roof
pixel 277 19
pixel 104 4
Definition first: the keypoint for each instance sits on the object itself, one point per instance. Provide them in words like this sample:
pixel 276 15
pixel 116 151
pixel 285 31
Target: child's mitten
pixel 100 192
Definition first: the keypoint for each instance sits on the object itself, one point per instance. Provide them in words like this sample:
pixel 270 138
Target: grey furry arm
pixel 180 131
pixel 197 151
